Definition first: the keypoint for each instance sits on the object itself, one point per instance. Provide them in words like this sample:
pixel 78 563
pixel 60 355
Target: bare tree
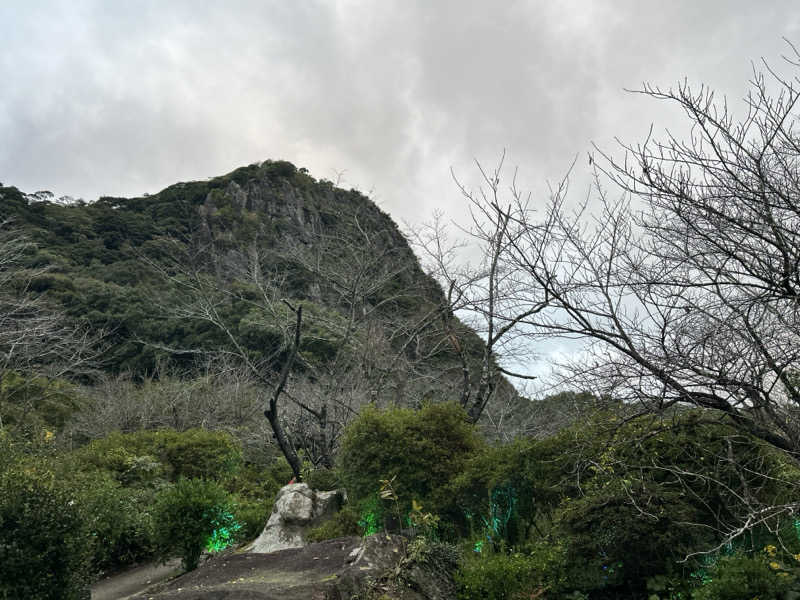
pixel 684 287
pixel 692 300
pixel 357 271
pixel 490 295
pixel 203 297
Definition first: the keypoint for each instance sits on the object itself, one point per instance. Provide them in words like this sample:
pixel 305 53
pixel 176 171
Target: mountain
pixel 217 267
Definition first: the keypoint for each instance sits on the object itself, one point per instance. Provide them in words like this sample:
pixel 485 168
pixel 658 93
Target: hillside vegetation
pixel 167 363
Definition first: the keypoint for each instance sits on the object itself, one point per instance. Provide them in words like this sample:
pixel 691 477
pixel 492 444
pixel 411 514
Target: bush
pixel 142 457
pixel 120 520
pixel 191 515
pixel 506 491
pixel 203 453
pixel 34 407
pixel 423 450
pixel 497 577
pixel 343 523
pixel 738 576
pixel 254 489
pixel 45 543
pixel 253 516
pixel 323 480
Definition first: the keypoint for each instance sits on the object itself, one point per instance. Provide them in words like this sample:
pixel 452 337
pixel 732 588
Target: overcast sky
pixel 124 98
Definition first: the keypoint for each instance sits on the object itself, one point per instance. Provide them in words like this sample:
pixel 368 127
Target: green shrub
pixel 34 407
pixel 343 523
pixel 253 516
pixel 203 453
pixel 507 491
pixel 422 450
pixel 323 480
pixel 254 489
pixel 612 545
pixel 143 457
pixel 45 544
pixel 738 577
pixel 632 521
pixel 253 482
pixel 497 576
pixel 190 515
pixel 120 520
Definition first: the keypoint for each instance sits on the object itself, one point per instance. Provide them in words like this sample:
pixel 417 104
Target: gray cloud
pixel 125 98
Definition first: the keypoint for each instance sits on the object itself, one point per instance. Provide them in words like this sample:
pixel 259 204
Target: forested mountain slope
pixel 216 269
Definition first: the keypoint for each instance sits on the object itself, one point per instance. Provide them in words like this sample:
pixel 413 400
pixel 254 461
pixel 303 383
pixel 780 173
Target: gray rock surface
pixel 297 509
pixel 341 569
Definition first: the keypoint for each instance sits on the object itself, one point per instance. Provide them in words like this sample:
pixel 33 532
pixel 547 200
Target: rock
pixel 297 509
pixel 340 569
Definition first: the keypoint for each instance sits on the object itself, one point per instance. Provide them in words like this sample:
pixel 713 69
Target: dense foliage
pixel 99 257
pixel 188 514
pixel 45 539
pixel 66 517
pixel 420 452
pixel 607 508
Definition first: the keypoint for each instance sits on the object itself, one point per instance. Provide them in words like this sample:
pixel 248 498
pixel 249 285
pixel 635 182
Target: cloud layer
pixel 104 98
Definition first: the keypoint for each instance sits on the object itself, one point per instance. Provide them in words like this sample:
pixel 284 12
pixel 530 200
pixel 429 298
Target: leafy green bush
pixel 739 576
pixel 323 480
pixel 121 474
pixel 422 450
pixel 343 523
pixel 203 453
pixel 497 576
pixel 45 544
pixel 260 483
pixel 145 456
pixel 120 520
pixel 254 489
pixel 34 406
pixel 189 515
pixel 253 516
pixel 507 491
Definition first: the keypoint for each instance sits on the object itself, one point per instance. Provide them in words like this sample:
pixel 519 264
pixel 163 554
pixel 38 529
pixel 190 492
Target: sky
pixel 125 98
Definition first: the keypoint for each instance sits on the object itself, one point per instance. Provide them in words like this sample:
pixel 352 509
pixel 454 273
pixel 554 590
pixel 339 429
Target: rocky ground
pixel 337 569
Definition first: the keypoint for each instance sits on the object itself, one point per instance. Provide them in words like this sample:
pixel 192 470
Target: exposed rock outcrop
pixel 297 508
pixel 337 569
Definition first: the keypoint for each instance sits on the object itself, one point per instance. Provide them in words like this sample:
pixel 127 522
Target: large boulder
pixel 297 509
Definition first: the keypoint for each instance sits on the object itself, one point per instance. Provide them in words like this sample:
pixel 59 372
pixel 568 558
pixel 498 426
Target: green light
pixel 224 533
pixel 369 522
pixel 371 516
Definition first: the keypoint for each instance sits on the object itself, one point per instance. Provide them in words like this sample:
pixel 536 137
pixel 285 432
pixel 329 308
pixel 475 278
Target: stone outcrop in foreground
pixel 338 569
pixel 297 509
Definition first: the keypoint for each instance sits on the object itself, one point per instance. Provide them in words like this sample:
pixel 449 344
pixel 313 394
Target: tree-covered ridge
pixel 100 255
pixel 308 293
